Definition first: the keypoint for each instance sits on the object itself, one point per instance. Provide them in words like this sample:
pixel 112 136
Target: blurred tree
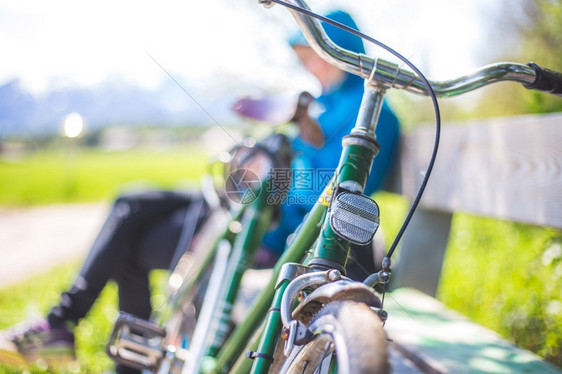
pixel 525 30
pixel 518 31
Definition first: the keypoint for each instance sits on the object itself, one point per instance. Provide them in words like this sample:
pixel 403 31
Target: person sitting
pixel 142 230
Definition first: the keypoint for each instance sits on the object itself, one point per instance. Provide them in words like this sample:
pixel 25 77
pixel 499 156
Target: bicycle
pixel 298 322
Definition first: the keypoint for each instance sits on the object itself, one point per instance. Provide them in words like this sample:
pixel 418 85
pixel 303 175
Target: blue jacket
pixel 312 168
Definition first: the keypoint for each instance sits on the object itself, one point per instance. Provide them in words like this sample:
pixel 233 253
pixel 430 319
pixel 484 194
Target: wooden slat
pixel 443 341
pixel 508 168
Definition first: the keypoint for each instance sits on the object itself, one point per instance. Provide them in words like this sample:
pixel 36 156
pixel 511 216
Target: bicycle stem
pixel 369 111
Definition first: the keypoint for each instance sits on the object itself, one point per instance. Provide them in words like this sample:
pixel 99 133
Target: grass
pixel 77 175
pixel 508 277
pixel 71 175
pixel 32 299
pixel 503 275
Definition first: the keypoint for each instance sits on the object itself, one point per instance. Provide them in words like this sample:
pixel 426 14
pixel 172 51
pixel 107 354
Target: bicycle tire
pixel 350 334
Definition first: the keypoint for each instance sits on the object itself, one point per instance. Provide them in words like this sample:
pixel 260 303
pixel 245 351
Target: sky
pixel 226 42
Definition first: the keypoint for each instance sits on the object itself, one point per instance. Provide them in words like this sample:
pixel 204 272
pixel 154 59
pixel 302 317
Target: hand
pixel 310 130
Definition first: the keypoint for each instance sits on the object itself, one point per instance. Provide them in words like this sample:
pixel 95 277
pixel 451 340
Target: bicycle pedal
pixel 136 342
pixel 354 217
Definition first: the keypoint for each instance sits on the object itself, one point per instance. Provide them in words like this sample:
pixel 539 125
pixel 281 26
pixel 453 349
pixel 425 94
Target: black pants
pixel 140 234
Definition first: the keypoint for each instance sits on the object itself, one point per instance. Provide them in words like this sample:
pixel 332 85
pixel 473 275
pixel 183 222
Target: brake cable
pixel 431 94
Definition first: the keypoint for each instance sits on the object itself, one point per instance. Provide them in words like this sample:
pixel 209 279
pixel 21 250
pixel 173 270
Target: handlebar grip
pixel 546 80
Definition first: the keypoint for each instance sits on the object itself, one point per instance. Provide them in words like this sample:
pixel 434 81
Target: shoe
pixel 41 341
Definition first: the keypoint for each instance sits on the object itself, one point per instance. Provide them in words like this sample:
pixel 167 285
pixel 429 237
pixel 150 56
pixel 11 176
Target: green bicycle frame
pixel 255 222
pixel 331 251
pixel 360 148
pixel 236 343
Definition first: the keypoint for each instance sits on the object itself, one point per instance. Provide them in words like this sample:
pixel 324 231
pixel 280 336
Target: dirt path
pixel 34 240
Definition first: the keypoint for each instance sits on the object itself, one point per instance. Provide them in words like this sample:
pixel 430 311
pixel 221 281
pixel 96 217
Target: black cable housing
pixel 431 94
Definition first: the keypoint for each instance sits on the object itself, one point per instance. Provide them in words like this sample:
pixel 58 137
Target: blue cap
pixel 340 37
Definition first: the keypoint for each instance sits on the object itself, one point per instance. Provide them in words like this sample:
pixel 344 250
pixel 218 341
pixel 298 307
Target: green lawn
pixel 58 176
pixel 33 299
pixel 505 276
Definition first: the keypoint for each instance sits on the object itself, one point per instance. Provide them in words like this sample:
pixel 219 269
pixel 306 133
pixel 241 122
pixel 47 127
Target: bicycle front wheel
pixel 348 339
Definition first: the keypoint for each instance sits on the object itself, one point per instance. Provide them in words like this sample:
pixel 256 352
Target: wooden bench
pixel 430 338
pixel 506 168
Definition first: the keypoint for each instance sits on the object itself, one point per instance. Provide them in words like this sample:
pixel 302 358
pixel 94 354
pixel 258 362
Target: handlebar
pixel 391 75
